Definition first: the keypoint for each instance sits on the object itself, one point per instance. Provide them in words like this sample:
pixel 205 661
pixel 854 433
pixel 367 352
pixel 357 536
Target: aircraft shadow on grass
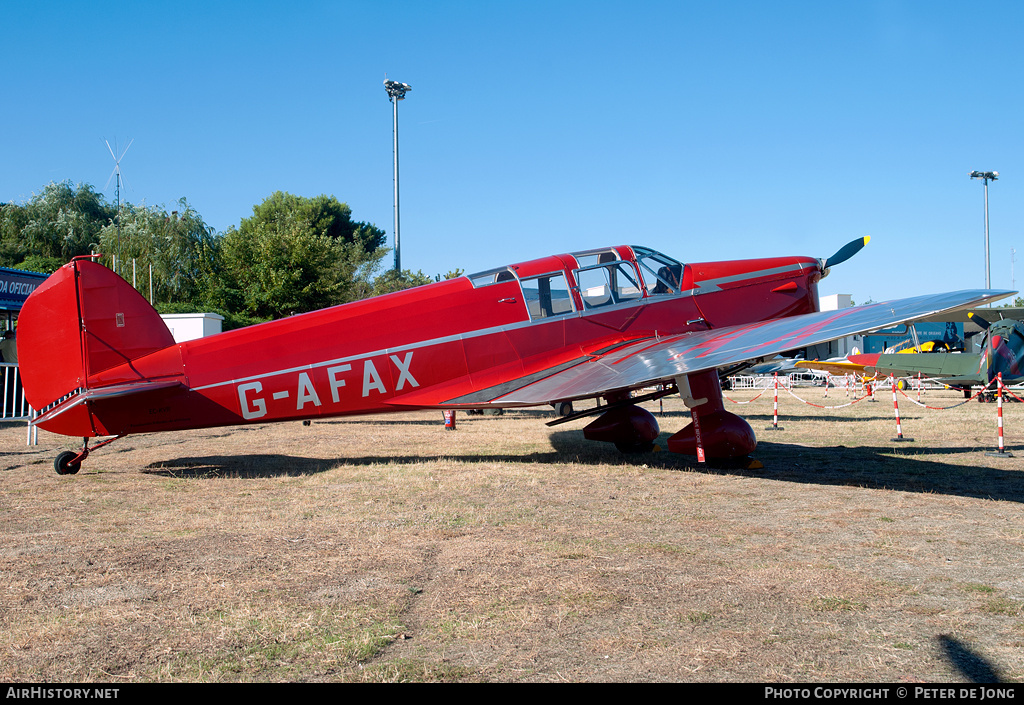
pixel 393 421
pixel 893 466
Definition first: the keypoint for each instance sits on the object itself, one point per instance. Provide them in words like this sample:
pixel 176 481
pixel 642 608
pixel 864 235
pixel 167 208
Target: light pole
pixel 396 92
pixel 986 176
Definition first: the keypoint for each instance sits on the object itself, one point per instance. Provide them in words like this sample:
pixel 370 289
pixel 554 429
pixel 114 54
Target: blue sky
pixel 707 130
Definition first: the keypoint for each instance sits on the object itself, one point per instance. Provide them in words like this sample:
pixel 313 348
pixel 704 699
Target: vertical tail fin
pixel 82 320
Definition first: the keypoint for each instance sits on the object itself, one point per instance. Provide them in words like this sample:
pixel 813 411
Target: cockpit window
pixel 604 285
pixel 547 296
pixel 592 257
pixel 662 274
pixel 492 276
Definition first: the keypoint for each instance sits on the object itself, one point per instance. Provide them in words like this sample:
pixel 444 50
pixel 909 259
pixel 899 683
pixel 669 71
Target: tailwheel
pixel 66 463
pixel 70 462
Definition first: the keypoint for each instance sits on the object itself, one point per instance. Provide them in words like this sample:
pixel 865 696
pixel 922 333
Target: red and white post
pixel 775 408
pixel 896 407
pixel 1001 450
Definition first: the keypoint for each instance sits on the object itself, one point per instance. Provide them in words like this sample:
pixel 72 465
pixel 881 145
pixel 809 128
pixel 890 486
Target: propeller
pixel 978 320
pixel 845 252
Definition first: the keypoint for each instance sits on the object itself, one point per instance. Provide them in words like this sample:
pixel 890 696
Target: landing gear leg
pixel 720 433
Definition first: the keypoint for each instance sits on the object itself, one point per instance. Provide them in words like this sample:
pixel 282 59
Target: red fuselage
pixel 444 344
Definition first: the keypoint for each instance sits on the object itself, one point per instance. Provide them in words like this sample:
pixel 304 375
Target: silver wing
pixel 651 362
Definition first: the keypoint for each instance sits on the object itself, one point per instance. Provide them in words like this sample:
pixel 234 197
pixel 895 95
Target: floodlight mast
pixel 986 176
pixel 396 92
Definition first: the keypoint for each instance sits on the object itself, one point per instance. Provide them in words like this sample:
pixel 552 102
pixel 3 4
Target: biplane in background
pixel 99 362
pixel 1002 353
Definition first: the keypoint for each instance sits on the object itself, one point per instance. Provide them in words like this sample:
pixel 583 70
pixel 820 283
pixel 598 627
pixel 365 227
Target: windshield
pixel 662 274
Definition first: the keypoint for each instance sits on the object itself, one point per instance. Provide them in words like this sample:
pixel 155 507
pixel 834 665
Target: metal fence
pixel 13 405
pixel 795 379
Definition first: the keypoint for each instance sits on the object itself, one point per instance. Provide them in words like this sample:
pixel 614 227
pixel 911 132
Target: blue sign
pixel 16 285
pixel 900 337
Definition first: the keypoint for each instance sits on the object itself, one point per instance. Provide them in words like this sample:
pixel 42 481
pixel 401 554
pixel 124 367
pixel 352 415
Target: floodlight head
pixel 396 90
pixel 987 175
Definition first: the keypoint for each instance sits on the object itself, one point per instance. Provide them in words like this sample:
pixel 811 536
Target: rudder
pixel 82 320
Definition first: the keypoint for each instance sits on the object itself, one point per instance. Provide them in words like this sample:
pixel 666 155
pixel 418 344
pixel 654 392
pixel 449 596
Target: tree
pixel 450 274
pixel 293 255
pixel 183 251
pixel 322 215
pixel 391 281
pixel 40 264
pixel 61 222
pixel 298 254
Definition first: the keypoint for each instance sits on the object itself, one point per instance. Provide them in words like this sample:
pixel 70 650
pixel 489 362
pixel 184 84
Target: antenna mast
pixel 117 172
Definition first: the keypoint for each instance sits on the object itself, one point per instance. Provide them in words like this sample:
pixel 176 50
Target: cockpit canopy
pixel 581 281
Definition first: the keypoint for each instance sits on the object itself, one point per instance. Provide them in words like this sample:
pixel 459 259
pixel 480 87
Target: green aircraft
pixel 1002 352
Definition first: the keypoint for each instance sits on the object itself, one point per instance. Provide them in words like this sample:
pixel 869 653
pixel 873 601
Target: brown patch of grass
pixel 386 549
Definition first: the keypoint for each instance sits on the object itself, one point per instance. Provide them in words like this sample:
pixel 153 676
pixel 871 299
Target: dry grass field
pixel 387 549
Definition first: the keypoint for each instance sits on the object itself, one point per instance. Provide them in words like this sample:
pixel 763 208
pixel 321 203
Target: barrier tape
pixel 868 394
pixel 944 408
pixel 747 401
pixel 1002 389
pixel 819 406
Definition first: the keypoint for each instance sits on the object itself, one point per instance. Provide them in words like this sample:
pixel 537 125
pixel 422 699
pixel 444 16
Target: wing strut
pixel 913 334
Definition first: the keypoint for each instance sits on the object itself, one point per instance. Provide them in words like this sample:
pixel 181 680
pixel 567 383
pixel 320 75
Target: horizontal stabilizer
pixel 111 392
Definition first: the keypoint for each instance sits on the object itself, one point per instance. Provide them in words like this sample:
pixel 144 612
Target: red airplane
pixel 97 360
